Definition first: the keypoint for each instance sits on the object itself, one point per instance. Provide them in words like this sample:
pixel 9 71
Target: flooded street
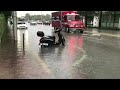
pixel 91 55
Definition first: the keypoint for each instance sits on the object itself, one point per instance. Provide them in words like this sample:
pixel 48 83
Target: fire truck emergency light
pixel 70 13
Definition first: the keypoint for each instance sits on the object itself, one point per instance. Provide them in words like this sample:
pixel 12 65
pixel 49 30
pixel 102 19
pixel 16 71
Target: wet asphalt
pixel 91 55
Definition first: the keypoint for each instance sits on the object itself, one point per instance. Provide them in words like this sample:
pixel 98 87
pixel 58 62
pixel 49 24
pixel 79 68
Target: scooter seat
pixel 49 36
pixel 47 41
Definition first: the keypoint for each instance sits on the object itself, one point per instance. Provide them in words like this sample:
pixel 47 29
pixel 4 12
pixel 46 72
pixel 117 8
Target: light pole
pixel 61 19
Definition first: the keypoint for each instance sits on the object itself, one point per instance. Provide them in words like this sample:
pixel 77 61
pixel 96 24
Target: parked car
pixel 22 25
pixel 46 23
pixel 33 23
pixel 39 22
pixel 28 21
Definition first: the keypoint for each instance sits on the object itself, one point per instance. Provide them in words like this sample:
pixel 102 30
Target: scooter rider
pixel 61 39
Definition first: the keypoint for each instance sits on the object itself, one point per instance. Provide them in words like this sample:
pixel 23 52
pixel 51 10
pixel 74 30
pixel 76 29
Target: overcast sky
pixel 22 13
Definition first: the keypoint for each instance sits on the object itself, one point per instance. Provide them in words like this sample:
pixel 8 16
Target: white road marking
pixel 77 63
pixel 92 38
pixel 42 63
pixel 118 36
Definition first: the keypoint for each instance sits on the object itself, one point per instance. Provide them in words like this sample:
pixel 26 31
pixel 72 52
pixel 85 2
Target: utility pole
pixel 15 25
pixel 100 18
pixel 41 15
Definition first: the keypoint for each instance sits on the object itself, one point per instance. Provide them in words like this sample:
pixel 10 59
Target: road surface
pixel 91 55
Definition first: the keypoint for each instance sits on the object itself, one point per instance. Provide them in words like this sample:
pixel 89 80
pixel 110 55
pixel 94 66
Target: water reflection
pixel 51 53
pixel 74 41
pixel 80 42
pixel 8 58
pixel 71 56
pixel 47 50
pixel 20 48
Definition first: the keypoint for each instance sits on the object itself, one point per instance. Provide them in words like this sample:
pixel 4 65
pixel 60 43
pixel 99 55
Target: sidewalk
pixel 103 32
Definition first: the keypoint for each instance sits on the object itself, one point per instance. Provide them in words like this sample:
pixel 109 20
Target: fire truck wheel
pixel 81 31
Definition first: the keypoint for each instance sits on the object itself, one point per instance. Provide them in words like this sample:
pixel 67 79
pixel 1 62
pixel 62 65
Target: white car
pixel 33 23
pixel 38 22
pixel 22 25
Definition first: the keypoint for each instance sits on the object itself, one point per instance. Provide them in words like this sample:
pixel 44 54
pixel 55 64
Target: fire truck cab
pixel 69 20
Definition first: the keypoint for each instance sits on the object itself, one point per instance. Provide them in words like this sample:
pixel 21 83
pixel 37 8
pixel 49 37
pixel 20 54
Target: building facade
pixel 108 19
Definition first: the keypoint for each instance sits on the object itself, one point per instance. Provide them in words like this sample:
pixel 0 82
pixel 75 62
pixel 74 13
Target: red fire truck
pixel 69 20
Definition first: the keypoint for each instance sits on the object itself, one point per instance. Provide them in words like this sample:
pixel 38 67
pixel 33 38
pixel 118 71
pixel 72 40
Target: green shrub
pixel 2 24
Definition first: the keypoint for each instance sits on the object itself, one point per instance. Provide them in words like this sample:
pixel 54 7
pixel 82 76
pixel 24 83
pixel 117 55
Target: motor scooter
pixel 46 41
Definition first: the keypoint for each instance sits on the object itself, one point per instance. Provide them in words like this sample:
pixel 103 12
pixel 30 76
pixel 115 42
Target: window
pixel 116 19
pixel 65 17
pixel 20 23
pixel 70 17
pixel 104 18
pixel 77 17
pixel 55 18
pixel 59 17
pixel 112 19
